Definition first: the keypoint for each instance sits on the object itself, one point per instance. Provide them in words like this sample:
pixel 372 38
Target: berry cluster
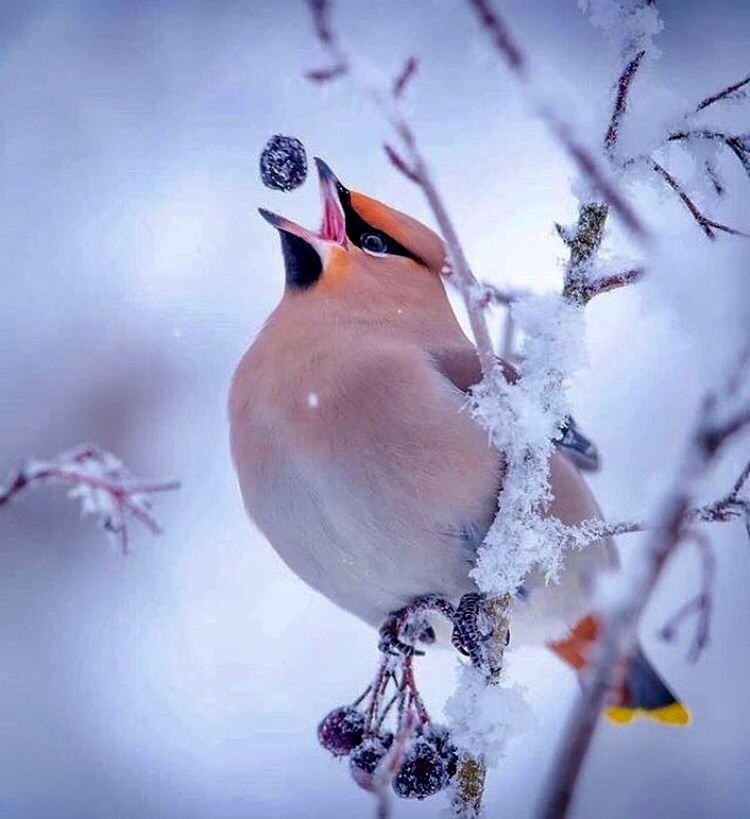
pixel 387 733
pixel 426 761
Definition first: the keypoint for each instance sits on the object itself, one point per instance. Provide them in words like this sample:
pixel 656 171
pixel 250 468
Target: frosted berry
pixel 366 758
pixel 340 731
pixel 283 163
pixel 438 736
pixel 423 772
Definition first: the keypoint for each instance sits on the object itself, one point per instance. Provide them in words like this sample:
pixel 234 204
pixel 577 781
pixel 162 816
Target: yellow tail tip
pixel 674 714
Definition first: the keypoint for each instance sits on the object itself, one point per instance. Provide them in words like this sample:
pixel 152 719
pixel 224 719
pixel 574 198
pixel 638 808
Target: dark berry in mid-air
pixel 283 163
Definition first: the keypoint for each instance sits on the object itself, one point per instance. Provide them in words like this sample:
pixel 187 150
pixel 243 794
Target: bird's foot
pixel 408 626
pixel 472 631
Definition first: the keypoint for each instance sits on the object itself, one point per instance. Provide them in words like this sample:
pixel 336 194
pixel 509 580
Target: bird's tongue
pixel 334 228
pixel 334 222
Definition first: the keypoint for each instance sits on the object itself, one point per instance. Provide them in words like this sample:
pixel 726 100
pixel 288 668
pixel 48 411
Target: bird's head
pixel 363 247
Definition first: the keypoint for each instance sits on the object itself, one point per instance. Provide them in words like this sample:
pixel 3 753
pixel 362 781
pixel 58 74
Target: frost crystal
pixel 485 718
pixel 522 426
pixel 630 22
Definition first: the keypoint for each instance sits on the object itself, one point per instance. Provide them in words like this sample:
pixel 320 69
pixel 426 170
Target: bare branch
pixel 590 167
pixel 106 489
pixel 501 36
pixel 701 605
pixel 620 621
pixel 400 164
pixel 621 100
pixel 415 167
pixel 723 94
pixel 323 75
pixel 613 282
pixel 709 226
pixel 737 144
pixel 405 77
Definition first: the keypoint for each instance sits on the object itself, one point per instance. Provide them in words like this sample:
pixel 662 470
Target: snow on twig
pixel 102 483
pixel 733 91
pixel 621 100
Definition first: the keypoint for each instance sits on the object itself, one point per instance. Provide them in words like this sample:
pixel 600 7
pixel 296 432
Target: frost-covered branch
pixel 728 508
pixel 621 100
pixel 733 91
pixel 738 144
pixel 621 616
pixel 102 483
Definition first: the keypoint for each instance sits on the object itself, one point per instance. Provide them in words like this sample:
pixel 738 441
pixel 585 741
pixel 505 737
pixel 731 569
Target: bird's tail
pixel 643 693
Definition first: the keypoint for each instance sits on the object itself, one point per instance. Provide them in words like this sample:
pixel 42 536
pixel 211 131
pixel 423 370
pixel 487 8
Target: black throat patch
pixel 301 261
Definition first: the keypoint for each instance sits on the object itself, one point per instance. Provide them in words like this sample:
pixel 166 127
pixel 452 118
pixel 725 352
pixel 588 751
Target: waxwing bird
pixel 353 455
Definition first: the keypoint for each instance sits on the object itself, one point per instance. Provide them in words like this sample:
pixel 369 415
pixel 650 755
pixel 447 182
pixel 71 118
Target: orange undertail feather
pixel 643 694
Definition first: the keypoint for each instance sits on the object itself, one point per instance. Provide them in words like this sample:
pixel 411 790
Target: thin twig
pixel 405 77
pixel 621 100
pixel 738 144
pixel 725 92
pixel 709 226
pixel 701 605
pixel 621 620
pixel 590 167
pixel 107 490
pixel 413 164
pixel 728 508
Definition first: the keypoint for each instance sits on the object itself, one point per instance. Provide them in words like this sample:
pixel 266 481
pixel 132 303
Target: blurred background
pixel 187 679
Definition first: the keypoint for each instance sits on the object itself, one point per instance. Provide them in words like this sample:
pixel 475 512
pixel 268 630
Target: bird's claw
pixel 470 632
pixel 407 626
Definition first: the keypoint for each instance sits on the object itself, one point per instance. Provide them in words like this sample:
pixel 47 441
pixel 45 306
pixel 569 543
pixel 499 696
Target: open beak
pixel 333 229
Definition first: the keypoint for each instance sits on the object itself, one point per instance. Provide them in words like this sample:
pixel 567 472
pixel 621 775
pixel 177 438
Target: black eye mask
pixel 357 230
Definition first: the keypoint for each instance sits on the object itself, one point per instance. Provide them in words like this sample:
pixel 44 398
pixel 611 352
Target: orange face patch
pixel 413 235
pixel 336 272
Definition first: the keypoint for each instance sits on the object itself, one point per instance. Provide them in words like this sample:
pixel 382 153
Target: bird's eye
pixel 373 243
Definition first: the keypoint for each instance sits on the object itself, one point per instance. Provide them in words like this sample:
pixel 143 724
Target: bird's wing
pixel 460 365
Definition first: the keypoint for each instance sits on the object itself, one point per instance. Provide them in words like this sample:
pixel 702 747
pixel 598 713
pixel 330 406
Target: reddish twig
pixel 613 282
pixel 391 762
pixel 709 226
pixel 400 164
pixel 593 170
pixel 405 77
pixel 738 145
pixel 501 36
pixel 322 75
pixel 621 100
pixel 723 94
pixel 106 489
pixel 623 614
pixel 701 605
pixel 414 166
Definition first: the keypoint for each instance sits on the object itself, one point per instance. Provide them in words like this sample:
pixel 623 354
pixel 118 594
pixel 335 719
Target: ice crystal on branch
pixel 103 485
pixel 631 24
pixel 522 426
